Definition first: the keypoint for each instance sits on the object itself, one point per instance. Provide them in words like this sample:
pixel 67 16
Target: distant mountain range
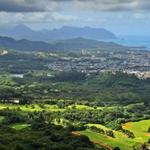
pixel 23 32
pixel 76 44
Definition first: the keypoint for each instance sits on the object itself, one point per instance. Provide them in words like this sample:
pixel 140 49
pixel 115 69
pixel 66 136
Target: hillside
pixel 76 44
pixel 66 32
pixel 26 45
pixel 81 43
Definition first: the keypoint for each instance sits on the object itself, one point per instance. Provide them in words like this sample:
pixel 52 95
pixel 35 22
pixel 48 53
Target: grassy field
pixel 20 126
pixel 80 107
pixel 138 128
pixel 31 108
pixel 46 107
pixel 113 142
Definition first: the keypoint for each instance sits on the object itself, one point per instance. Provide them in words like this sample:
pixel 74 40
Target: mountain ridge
pixel 66 32
pixel 75 44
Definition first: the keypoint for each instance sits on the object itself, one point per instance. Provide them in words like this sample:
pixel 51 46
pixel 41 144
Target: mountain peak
pixel 69 32
pixel 66 32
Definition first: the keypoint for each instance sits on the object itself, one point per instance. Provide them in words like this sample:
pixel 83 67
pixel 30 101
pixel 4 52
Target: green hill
pixel 76 44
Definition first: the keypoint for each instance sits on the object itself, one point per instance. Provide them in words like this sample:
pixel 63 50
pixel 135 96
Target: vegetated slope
pixel 20 131
pixel 77 44
pixel 66 45
pixel 139 129
pixel 103 88
pixel 106 87
pixel 23 32
pixel 26 45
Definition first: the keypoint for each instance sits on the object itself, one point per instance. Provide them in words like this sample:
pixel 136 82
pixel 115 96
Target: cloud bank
pixel 113 5
pixel 53 5
pixel 28 5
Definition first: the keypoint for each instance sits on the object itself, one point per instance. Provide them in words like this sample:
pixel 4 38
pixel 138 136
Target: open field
pixel 138 128
pixel 112 142
pixel 47 107
pixel 20 126
pixel 31 108
pixel 119 140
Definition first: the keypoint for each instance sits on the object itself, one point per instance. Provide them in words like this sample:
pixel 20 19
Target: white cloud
pixel 34 17
pixel 64 18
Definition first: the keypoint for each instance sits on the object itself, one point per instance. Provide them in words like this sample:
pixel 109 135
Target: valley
pixel 89 99
pixel 74 75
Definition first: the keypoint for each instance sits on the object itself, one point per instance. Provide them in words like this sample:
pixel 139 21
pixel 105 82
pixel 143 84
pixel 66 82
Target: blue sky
pixel 123 17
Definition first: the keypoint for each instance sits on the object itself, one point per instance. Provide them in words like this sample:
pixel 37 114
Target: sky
pixel 123 17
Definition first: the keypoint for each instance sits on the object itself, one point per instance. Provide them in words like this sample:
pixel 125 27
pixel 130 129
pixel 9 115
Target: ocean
pixel 134 41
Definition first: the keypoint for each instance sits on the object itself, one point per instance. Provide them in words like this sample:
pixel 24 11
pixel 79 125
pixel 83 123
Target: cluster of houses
pixel 91 62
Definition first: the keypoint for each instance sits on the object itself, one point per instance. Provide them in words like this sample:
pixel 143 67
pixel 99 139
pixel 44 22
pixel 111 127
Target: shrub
pixel 110 133
pixel 98 130
pixel 128 133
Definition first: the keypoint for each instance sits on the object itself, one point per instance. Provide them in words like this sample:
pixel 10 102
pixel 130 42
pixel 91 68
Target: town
pixel 131 61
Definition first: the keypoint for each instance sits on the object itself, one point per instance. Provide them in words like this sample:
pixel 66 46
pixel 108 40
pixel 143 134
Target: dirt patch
pixel 127 125
pixel 147 134
pixel 76 133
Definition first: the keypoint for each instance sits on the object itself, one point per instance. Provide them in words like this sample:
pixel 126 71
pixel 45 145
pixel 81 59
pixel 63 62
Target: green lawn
pixel 47 107
pixel 20 126
pixel 120 139
pixel 81 107
pixel 113 142
pixel 31 108
pixel 139 129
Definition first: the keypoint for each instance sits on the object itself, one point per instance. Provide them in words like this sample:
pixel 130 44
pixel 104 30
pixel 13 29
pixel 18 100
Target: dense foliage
pixel 104 89
pixel 39 135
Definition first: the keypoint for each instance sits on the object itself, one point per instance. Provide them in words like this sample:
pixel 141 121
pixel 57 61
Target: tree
pixel 128 133
pixel 110 133
pixel 116 148
pixel 98 130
